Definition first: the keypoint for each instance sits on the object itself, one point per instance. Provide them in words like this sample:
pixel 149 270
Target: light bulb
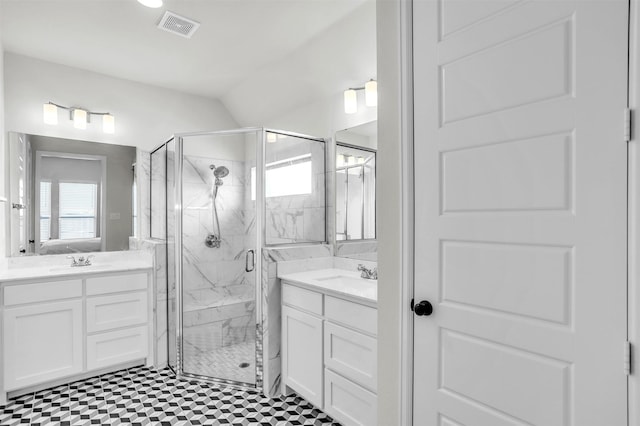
pixel 108 124
pixel 271 137
pixel 371 93
pixel 151 3
pixel 350 101
pixel 79 118
pixel 50 114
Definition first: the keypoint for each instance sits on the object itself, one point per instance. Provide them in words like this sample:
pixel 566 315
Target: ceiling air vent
pixel 177 24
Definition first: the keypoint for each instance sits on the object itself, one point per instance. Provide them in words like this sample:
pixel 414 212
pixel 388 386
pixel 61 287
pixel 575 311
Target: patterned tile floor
pixel 145 396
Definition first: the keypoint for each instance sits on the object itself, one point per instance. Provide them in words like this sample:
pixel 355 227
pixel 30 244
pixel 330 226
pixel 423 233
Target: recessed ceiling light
pixel 151 3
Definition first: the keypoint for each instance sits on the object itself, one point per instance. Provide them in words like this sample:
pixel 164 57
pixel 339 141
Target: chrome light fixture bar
pixel 79 116
pixel 370 96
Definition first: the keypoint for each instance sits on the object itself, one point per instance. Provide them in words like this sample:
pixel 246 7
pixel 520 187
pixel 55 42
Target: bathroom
pixel 242 274
pixel 198 295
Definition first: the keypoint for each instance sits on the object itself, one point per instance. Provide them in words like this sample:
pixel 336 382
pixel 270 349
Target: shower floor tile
pixel 146 396
pixel 234 362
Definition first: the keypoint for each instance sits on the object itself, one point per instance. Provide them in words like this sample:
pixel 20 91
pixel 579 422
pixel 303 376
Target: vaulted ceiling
pixel 257 56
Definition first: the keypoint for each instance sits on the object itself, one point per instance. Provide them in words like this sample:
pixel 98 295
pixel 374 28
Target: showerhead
pixel 220 172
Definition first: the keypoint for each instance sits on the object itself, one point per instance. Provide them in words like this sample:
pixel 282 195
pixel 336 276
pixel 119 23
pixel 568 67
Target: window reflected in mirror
pixel 69 196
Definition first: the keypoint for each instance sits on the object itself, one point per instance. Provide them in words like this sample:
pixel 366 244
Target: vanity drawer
pixel 348 403
pixel 352 354
pixel 116 347
pixel 42 292
pixel 351 314
pixel 303 299
pixel 116 283
pixel 115 311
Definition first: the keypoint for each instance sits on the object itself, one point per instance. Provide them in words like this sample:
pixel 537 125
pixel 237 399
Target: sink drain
pixel 244 365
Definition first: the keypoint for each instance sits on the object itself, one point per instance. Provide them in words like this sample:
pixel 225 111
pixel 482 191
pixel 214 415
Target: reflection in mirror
pixel 69 196
pixel 355 193
pixel 355 179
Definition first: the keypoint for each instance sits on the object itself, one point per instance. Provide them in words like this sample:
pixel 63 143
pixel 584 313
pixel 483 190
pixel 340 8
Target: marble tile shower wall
pixel 298 218
pixel 158 250
pixel 216 289
pixel 158 194
pixel 143 197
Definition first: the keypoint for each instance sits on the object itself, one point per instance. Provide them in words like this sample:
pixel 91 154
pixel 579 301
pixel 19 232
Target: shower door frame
pixel 178 172
pixel 260 243
pixel 326 159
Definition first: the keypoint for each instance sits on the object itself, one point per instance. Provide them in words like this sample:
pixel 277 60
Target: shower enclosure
pixel 213 187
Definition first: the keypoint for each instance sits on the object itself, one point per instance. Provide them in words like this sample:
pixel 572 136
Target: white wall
pixel 145 115
pixel 324 117
pixel 4 225
pixel 311 101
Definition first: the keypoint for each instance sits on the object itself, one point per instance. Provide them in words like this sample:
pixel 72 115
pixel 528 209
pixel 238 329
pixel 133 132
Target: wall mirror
pixel 355 179
pixel 69 196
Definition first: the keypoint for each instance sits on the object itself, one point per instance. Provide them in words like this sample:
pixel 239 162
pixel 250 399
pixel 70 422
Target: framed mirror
pixel 355 192
pixel 69 196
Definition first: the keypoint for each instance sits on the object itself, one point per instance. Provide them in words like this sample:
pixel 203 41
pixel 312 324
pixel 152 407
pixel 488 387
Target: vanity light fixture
pixel 350 101
pixel 79 116
pixel 50 113
pixel 370 96
pixel 371 93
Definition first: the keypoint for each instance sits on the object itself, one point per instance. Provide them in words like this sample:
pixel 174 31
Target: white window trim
pixel 103 189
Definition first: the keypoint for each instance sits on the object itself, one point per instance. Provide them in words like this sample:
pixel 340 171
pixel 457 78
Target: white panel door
pixel 520 209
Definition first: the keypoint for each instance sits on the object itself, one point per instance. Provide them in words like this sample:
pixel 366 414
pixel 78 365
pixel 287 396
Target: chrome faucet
pixel 369 274
pixel 82 261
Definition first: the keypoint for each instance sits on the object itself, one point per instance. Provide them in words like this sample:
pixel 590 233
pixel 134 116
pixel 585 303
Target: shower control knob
pixel 422 308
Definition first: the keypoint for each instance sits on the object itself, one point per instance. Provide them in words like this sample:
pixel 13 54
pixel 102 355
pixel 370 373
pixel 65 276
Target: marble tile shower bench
pixel 230 320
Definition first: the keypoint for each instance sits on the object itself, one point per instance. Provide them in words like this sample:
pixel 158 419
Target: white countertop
pixel 58 271
pixel 337 282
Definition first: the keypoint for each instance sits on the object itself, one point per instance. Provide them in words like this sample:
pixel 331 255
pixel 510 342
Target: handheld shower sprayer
pixel 214 239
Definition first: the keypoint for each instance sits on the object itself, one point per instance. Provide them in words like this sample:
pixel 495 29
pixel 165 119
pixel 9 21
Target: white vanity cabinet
pixel 57 329
pixel 42 332
pixel 329 353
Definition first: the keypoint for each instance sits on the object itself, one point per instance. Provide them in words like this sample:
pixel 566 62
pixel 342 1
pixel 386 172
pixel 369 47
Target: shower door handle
pixel 250 266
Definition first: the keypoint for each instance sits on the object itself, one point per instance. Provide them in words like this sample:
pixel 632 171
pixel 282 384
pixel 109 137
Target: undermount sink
pixel 343 280
pixel 79 268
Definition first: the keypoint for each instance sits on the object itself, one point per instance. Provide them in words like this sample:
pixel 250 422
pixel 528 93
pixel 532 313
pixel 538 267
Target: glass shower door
pixel 216 256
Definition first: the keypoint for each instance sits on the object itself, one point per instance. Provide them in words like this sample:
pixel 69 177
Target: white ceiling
pixel 237 44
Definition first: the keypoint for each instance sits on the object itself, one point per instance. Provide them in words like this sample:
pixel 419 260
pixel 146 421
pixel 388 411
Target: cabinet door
pixel 302 354
pixel 41 343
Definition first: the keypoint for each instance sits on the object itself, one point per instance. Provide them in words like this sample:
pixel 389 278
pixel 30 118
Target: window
pixel 45 211
pixel 292 176
pixel 78 210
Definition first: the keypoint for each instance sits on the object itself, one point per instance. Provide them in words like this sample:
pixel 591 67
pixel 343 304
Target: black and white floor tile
pixel 145 396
